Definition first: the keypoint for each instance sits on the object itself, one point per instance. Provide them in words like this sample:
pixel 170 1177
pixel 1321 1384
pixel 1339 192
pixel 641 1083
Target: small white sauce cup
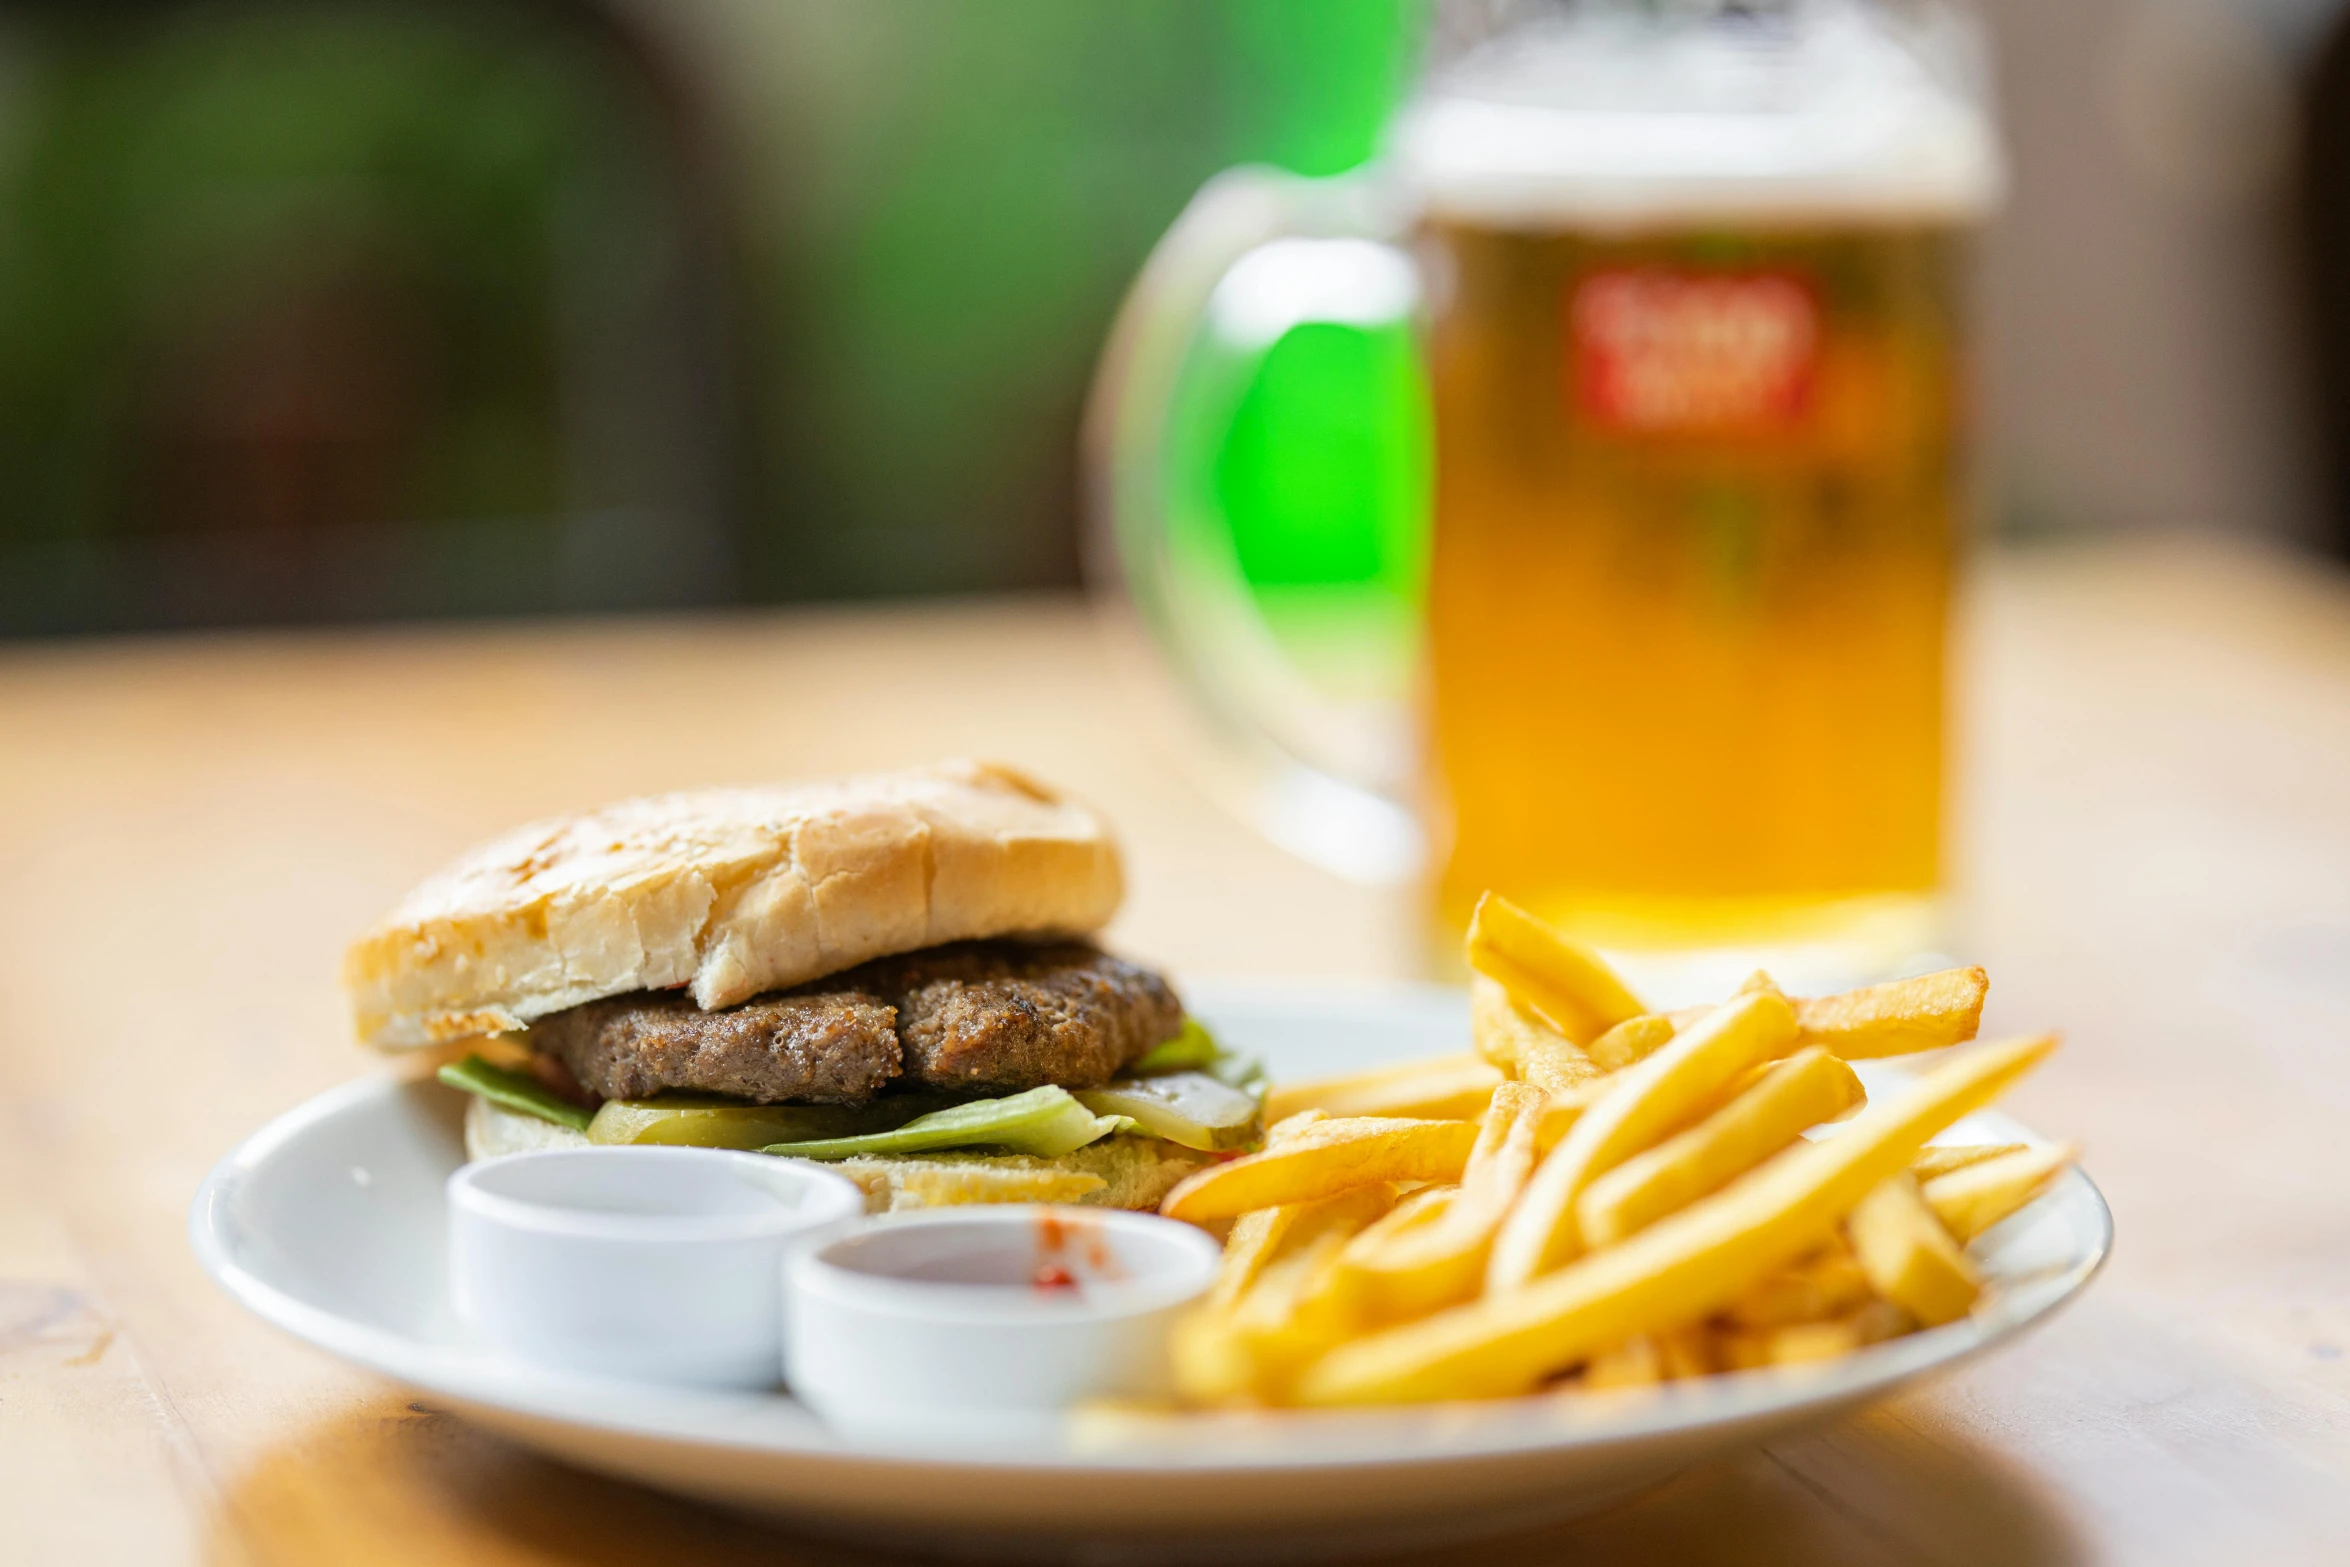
pixel 915 1323
pixel 656 1264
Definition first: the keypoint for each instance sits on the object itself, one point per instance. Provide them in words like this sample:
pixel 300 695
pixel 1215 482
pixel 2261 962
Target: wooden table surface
pixel 2158 824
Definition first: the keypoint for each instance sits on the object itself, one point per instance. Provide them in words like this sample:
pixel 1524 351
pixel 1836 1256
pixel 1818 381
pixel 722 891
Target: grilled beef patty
pixel 839 1047
pixel 1005 1015
pixel 977 1015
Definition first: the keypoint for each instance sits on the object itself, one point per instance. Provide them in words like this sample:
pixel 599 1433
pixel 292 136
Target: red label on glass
pixel 1666 352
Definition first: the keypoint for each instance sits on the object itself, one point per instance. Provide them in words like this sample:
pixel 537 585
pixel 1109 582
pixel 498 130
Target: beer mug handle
pixel 1256 252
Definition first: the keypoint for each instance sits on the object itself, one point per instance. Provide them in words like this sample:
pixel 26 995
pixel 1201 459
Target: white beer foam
pixel 1613 123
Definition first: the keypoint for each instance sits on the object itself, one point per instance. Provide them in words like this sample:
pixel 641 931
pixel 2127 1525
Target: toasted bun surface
pixel 731 891
pixel 1117 1172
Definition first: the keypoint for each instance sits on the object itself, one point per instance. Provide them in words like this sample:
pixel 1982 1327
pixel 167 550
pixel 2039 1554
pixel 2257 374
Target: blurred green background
pixel 354 310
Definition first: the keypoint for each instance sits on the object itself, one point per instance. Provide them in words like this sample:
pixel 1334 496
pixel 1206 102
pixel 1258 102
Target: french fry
pixel 1496 1031
pixel 1635 1039
pixel 1800 1343
pixel 1254 1239
pixel 1276 1305
pixel 1244 1346
pixel 1878 1320
pixel 1560 1111
pixel 1942 1158
pixel 1341 1285
pixel 1970 1200
pixel 1257 1237
pixel 1212 1362
pixel 1746 1349
pixel 1334 1301
pixel 1674 1272
pixel 1441 1088
pixel 1909 1257
pixel 1557 1067
pixel 1521 1043
pixel 1644 1104
pixel 1897 1019
pixel 1325 1157
pixel 1650 1358
pixel 1638 1038
pixel 1562 981
pixel 1640 1187
pixel 1901 1017
pixel 1634 1363
pixel 1413 1213
pixel 1261 1235
pixel 1807 1088
pixel 1441 1263
pixel 1685 1352
pixel 1826 1284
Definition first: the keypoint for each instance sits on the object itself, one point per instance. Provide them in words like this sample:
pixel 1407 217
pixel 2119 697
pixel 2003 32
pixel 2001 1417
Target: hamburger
pixel 895 974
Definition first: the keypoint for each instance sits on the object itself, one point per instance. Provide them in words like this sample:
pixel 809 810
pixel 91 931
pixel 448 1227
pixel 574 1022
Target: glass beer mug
pixel 1691 285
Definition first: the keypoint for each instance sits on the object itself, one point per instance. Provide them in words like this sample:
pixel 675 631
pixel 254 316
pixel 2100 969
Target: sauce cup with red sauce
pixel 919 1322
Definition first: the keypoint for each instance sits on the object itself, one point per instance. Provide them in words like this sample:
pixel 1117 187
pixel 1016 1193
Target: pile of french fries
pixel 1602 1196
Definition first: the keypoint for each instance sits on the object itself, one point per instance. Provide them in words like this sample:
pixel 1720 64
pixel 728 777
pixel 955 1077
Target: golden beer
pixel 1693 287
pixel 1696 499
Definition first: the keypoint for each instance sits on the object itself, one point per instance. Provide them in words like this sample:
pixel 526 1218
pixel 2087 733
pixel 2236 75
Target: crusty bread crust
pixel 730 891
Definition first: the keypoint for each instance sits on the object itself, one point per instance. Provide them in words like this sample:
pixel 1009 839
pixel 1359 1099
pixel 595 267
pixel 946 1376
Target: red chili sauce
pixel 1062 1241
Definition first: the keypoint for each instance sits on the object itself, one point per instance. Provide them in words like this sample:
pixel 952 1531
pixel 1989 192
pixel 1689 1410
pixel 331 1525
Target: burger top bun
pixel 731 891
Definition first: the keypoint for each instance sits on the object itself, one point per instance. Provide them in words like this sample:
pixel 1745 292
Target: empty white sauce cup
pixel 906 1324
pixel 657 1264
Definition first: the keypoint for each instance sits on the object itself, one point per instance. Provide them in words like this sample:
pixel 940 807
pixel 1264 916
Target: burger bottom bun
pixel 1117 1172
pixel 492 1133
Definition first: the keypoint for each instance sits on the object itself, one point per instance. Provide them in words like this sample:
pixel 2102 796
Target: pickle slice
pixel 1191 1108
pixel 1243 1073
pixel 1043 1121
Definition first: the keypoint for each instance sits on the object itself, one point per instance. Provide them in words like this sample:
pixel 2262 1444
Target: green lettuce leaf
pixel 1043 1121
pixel 516 1091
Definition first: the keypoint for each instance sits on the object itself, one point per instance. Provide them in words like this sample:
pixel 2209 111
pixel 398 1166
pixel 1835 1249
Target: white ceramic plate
pixel 329 1223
